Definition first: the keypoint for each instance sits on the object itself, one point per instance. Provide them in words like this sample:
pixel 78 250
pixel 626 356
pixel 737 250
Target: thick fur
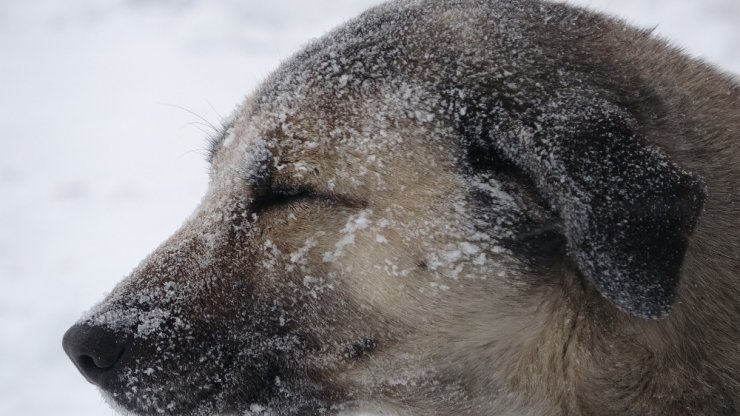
pixel 370 240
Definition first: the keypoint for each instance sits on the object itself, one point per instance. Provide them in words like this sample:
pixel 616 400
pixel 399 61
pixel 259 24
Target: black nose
pixel 94 350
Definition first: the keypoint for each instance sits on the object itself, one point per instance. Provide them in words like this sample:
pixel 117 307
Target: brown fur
pixel 340 295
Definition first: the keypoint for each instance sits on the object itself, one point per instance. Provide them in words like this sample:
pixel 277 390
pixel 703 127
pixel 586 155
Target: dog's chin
pixel 115 405
pixel 274 408
pixel 172 407
pixel 286 400
pixel 148 398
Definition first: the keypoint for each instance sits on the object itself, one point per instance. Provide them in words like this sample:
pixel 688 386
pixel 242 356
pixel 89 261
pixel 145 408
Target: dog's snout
pixel 94 350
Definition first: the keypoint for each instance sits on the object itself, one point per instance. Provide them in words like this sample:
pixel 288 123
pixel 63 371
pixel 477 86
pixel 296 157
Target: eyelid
pixel 277 196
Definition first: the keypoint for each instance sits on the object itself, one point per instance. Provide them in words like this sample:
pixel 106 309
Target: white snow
pixel 104 149
pixel 355 223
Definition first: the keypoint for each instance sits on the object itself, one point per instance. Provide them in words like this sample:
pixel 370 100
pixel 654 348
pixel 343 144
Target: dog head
pixel 436 209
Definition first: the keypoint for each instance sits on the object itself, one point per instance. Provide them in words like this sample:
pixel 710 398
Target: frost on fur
pixel 442 207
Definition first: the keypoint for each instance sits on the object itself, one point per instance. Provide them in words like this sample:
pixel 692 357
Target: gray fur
pixel 403 217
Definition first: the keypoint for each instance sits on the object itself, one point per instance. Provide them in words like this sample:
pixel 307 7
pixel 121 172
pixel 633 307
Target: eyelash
pixel 276 197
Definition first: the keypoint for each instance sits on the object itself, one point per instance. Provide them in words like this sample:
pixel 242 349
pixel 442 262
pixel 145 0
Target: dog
pixel 450 207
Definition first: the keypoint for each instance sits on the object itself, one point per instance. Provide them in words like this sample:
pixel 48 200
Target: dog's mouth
pixel 214 384
pixel 188 377
pixel 175 375
pixel 276 396
pixel 225 387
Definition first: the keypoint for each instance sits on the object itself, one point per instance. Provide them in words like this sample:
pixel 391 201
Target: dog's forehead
pixel 374 145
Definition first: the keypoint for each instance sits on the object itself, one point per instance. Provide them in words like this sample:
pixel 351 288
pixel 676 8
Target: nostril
pixel 97 363
pixel 94 350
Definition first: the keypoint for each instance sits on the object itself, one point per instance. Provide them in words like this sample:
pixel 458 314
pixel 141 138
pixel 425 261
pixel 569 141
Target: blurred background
pixel 105 107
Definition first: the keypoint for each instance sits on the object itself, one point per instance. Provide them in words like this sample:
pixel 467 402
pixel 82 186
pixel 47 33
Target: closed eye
pixel 281 196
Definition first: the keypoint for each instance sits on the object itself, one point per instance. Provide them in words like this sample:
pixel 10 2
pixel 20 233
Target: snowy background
pixel 104 111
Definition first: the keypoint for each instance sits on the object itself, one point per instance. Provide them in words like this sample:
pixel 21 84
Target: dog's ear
pixel 627 209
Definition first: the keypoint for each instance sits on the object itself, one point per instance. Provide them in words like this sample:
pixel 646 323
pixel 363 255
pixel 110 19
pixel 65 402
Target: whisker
pixel 203 119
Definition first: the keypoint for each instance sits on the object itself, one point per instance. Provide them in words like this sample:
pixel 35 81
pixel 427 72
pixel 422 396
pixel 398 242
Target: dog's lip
pixel 117 398
pixel 189 395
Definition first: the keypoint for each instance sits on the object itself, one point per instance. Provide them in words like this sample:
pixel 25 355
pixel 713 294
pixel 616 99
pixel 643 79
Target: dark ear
pixel 627 209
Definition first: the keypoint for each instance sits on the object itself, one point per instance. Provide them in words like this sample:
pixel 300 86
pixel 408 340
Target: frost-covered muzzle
pixel 185 333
